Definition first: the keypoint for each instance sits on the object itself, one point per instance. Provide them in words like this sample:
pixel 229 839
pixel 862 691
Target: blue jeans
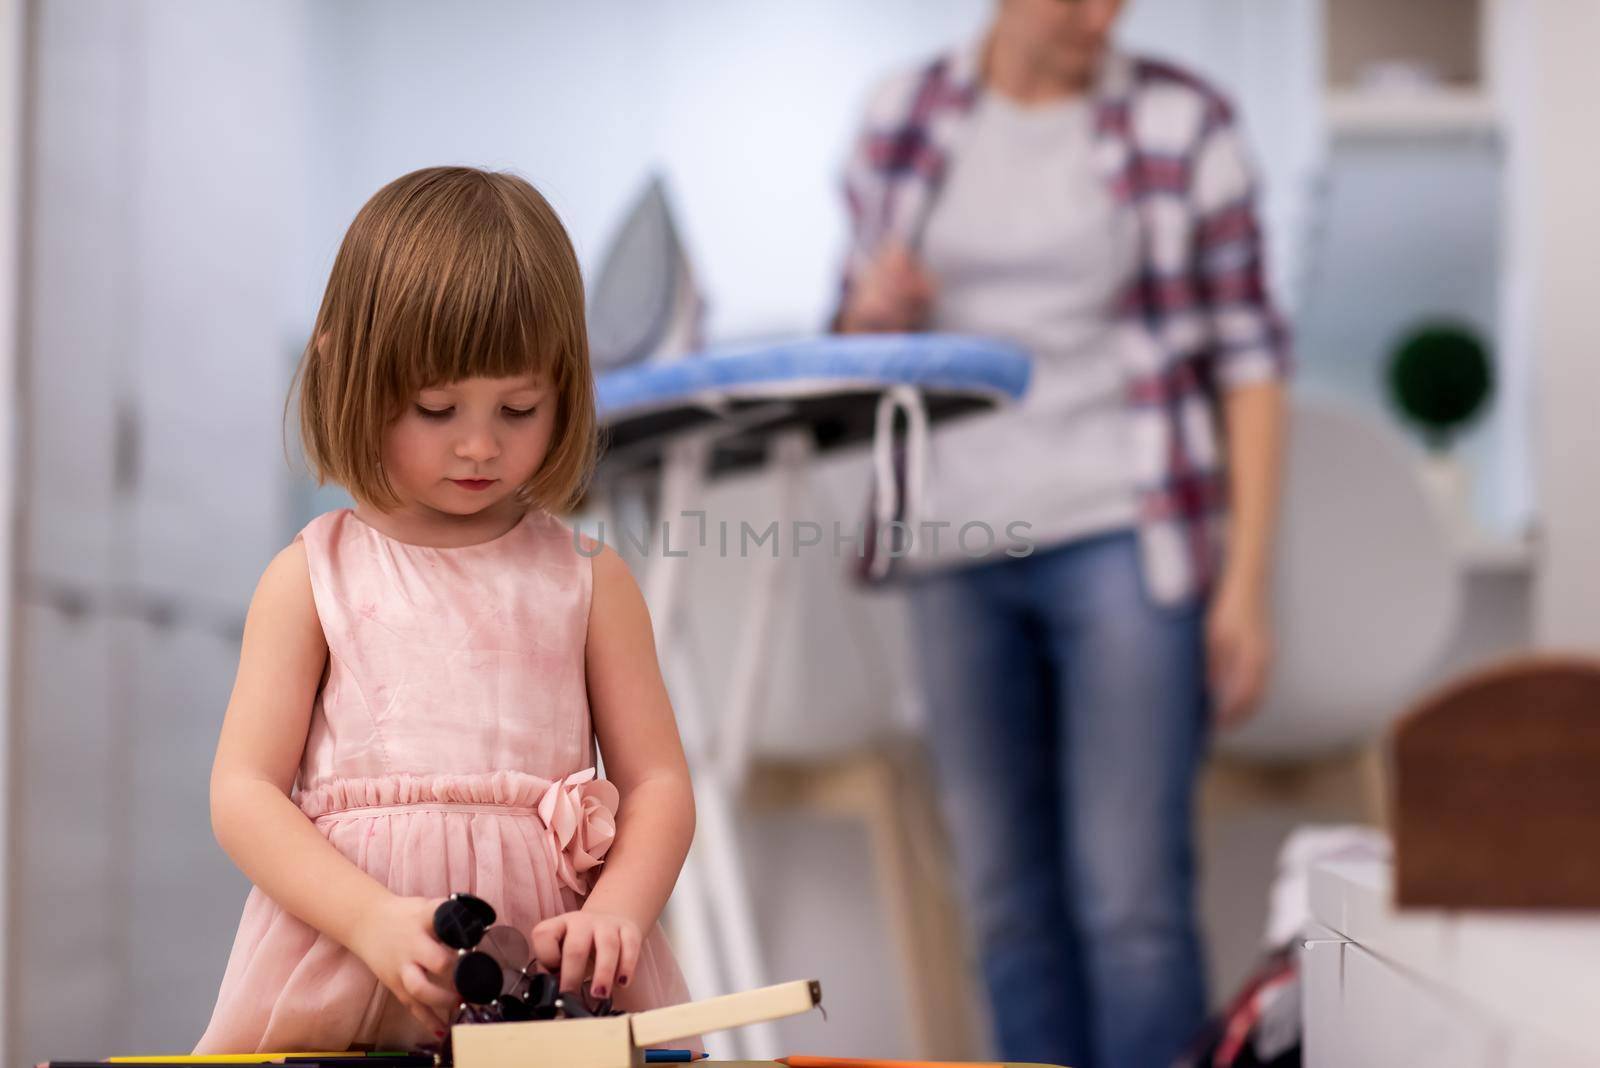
pixel 1067 720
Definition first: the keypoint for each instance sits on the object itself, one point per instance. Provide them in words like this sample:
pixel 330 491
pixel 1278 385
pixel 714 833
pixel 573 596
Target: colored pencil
pixel 389 1057
pixel 201 1062
pixel 853 1062
pixel 396 1059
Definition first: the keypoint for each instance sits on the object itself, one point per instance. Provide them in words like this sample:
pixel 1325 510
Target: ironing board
pixel 830 385
pixel 676 426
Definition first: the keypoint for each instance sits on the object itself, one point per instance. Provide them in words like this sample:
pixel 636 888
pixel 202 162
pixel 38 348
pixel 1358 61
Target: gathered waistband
pixel 407 809
pixel 406 790
pixel 577 813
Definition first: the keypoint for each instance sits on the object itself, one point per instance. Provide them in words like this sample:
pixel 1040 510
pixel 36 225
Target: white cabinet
pixel 1422 988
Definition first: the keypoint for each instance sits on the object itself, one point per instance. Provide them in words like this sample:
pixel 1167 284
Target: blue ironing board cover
pixel 980 368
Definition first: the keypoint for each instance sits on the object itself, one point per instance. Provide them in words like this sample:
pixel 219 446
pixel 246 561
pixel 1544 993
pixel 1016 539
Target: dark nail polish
pixel 623 981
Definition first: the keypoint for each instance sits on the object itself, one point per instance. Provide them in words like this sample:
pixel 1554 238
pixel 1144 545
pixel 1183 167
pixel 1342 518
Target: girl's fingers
pixel 418 1013
pixel 422 993
pixel 628 956
pixel 438 959
pixel 432 992
pixel 547 942
pixel 607 946
pixel 575 956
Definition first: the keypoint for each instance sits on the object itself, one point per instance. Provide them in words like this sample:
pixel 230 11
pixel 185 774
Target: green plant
pixel 1440 379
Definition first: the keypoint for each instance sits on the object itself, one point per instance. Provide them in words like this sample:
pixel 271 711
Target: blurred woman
pixel 1041 186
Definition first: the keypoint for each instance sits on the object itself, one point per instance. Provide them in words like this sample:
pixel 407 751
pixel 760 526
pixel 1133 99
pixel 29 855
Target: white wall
pixel 747 107
pixel 166 200
pixel 13 27
pixel 1562 40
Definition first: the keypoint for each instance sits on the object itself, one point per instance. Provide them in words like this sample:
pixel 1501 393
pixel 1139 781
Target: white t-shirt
pixel 1026 243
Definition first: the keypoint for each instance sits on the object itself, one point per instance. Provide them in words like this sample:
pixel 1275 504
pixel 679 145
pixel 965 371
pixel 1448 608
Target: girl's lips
pixel 473 483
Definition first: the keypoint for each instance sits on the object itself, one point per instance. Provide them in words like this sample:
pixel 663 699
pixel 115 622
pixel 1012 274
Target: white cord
pixel 889 494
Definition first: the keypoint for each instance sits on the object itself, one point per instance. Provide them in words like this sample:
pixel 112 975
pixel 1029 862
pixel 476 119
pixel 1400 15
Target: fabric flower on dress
pixel 580 812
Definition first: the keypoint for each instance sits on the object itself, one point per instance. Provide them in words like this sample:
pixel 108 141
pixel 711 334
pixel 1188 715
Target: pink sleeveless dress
pixel 449 750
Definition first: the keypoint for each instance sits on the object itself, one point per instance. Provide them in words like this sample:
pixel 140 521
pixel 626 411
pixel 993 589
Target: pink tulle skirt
pixel 526 845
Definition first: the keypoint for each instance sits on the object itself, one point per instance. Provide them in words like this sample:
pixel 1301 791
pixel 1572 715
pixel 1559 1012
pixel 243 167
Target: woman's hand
pixel 892 294
pixel 396 941
pixel 567 942
pixel 1238 653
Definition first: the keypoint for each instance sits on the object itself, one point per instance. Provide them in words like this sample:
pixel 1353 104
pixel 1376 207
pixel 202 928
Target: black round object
pixel 460 922
pixel 570 1004
pixel 541 991
pixel 513 1009
pixel 478 978
pixel 479 907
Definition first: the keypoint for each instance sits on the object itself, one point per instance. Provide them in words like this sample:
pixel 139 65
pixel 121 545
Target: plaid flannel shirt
pixel 1195 317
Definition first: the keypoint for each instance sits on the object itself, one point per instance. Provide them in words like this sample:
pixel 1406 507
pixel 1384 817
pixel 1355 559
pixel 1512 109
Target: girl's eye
pixel 444 413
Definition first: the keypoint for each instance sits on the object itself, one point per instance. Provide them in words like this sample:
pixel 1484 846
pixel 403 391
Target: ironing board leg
pixel 719 936
pixel 718 854
pixel 689 914
pixel 694 940
pixel 789 458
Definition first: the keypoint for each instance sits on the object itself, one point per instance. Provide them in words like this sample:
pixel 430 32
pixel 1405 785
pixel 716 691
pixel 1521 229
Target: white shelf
pixel 1404 114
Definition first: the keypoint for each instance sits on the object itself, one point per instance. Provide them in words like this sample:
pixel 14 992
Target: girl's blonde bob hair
pixel 446 273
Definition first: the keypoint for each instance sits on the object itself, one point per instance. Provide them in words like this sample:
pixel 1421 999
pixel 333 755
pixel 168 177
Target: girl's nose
pixel 478 447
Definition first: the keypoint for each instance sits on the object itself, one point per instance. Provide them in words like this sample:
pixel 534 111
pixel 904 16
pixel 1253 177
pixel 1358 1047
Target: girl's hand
pixel 1238 653
pixel 396 941
pixel 568 941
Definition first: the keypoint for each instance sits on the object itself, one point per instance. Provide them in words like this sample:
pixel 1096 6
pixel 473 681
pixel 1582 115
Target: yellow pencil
pixel 235 1058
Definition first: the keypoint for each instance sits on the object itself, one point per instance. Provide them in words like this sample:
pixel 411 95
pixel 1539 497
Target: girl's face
pixel 466 446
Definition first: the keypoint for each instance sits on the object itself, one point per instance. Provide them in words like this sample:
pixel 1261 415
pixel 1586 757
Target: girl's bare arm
pixel 270 839
pixel 638 737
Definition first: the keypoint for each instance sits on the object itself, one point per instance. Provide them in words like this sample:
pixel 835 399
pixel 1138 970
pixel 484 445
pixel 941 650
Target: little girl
pixel 424 676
